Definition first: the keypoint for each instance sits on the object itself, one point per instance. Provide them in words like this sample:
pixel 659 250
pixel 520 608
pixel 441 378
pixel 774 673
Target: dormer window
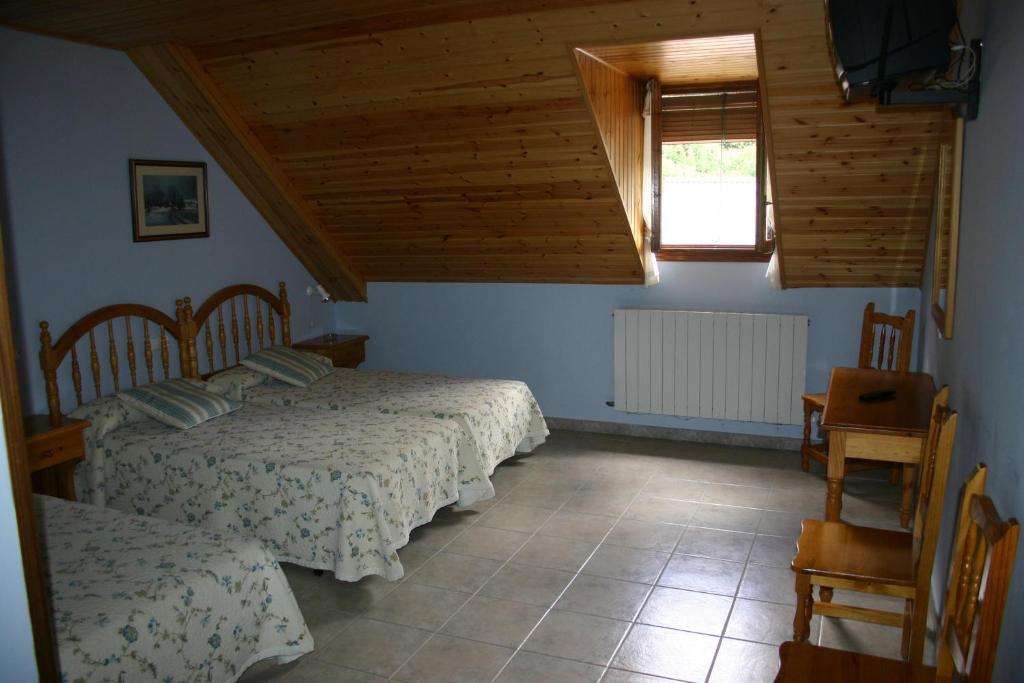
pixel 713 197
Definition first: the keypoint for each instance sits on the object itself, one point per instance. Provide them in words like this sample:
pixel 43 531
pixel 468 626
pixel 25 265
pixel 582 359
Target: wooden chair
pixel 864 559
pixel 893 336
pixel 979 579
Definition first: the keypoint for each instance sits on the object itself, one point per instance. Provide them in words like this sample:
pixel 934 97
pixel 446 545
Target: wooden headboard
pixel 203 341
pixel 133 322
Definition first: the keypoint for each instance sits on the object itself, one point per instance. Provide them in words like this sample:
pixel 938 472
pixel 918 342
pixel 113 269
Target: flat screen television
pixel 876 44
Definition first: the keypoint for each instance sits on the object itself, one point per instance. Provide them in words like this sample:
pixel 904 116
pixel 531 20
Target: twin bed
pixel 331 476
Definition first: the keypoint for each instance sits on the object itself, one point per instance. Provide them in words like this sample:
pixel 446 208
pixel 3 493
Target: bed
pixel 327 490
pixel 499 417
pixel 136 598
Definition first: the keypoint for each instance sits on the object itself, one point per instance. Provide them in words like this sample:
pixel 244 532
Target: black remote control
pixel 876 396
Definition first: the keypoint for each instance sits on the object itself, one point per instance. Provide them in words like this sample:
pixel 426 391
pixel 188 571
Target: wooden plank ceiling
pixel 454 140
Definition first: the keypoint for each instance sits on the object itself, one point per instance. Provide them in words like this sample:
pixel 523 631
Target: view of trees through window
pixel 709 193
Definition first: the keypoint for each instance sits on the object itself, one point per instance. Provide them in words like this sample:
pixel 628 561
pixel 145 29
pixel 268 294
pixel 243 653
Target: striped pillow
pixel 288 365
pixel 178 403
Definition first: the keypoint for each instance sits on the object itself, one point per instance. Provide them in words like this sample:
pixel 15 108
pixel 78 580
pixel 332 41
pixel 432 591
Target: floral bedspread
pixel 500 416
pixel 321 489
pixel 136 598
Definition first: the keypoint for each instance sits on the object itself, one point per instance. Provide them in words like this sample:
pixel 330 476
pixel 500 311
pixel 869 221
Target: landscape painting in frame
pixel 168 200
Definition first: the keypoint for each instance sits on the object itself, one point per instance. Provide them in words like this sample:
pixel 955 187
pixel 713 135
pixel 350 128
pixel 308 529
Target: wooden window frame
pixel 763 248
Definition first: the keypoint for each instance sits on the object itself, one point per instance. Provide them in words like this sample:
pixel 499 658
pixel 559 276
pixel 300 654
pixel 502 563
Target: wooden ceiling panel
pixel 461 140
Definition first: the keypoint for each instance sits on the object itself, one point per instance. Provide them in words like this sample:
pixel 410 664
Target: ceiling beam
pixel 179 77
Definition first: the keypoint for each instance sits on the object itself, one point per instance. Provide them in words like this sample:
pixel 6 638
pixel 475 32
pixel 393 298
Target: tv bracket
pixel 965 100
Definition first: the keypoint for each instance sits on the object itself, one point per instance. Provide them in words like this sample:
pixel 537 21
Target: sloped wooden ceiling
pixel 452 140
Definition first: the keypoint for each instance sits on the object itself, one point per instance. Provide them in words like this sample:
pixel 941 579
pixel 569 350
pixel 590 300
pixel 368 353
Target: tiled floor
pixel 601 558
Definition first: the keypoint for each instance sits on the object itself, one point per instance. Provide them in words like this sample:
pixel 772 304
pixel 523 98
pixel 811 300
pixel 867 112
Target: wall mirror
pixel 947 231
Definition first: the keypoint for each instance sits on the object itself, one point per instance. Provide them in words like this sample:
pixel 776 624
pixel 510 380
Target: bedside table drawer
pixel 54 450
pixel 347 356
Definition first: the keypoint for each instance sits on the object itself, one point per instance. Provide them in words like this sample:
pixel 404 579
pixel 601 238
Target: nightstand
pixel 344 350
pixel 53 453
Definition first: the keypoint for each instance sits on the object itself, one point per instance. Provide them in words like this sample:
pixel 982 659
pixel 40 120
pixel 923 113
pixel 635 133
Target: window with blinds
pixel 713 194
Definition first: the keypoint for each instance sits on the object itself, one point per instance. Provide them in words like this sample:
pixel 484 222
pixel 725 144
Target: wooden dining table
pixel 891 430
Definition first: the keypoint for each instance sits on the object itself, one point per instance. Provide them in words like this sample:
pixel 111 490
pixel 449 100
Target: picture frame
pixel 169 200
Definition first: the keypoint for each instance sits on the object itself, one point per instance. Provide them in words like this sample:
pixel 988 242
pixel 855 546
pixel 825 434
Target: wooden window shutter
pixel 709 115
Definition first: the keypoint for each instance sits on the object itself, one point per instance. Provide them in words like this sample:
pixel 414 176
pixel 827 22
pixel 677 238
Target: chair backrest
pixel 891 335
pixel 933 474
pixel 979 579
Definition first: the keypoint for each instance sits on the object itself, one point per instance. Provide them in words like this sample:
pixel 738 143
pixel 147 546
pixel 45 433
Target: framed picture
pixel 168 200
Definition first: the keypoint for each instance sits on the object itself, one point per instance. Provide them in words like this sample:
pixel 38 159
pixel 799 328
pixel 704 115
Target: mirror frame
pixel 951 158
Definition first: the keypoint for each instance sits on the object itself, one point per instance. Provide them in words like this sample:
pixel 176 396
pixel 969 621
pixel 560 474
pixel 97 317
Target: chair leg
pixel 894 475
pixel 804 608
pixel 908 616
pixel 907 505
pixel 825 593
pixel 805 461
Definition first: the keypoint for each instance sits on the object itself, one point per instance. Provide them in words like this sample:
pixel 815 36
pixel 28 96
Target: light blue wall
pixel 70 118
pixel 558 338
pixel 983 363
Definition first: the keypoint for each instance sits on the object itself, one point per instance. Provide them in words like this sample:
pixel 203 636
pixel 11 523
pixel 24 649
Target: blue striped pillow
pixel 178 403
pixel 288 365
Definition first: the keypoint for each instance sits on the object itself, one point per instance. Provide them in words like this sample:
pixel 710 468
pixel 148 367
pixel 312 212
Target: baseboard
pixel 779 443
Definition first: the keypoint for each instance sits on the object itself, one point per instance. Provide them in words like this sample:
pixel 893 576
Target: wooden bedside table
pixel 53 453
pixel 344 350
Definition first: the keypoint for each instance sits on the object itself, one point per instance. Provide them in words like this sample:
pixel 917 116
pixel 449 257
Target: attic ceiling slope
pixel 451 139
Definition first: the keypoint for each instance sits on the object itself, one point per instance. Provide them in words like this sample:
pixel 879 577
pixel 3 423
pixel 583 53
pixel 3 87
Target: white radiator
pixel 729 366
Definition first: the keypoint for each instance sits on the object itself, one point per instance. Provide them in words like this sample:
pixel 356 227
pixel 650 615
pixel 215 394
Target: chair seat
pixel 817 400
pixel 855 552
pixel 812 663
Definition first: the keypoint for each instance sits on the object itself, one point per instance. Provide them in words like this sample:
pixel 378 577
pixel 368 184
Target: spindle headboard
pixel 122 324
pixel 199 331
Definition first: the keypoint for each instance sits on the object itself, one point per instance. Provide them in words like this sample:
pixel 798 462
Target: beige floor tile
pixel 599 502
pixel 667 653
pixel 649 508
pixel 437 533
pixel 791 500
pixel 414 557
pixel 628 564
pixel 514 518
pixel 604 597
pixel 324 622
pixel 554 553
pixel 773 584
pixel 716 543
pixel 372 646
pixel 354 596
pixel 786 523
pixel 548 496
pixel 526 583
pixel 454 660
pixel 419 606
pixel 305 670
pixel 580 637
pixel 620 676
pixel 672 487
pixel 734 494
pixel 741 662
pixel 495 621
pixel 455 572
pixel 765 622
pixel 860 636
pixel 702 574
pixel 530 667
pixel 491 544
pixel 686 610
pixel 633 533
pixel 577 526
pixel 775 551
pixel 726 517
